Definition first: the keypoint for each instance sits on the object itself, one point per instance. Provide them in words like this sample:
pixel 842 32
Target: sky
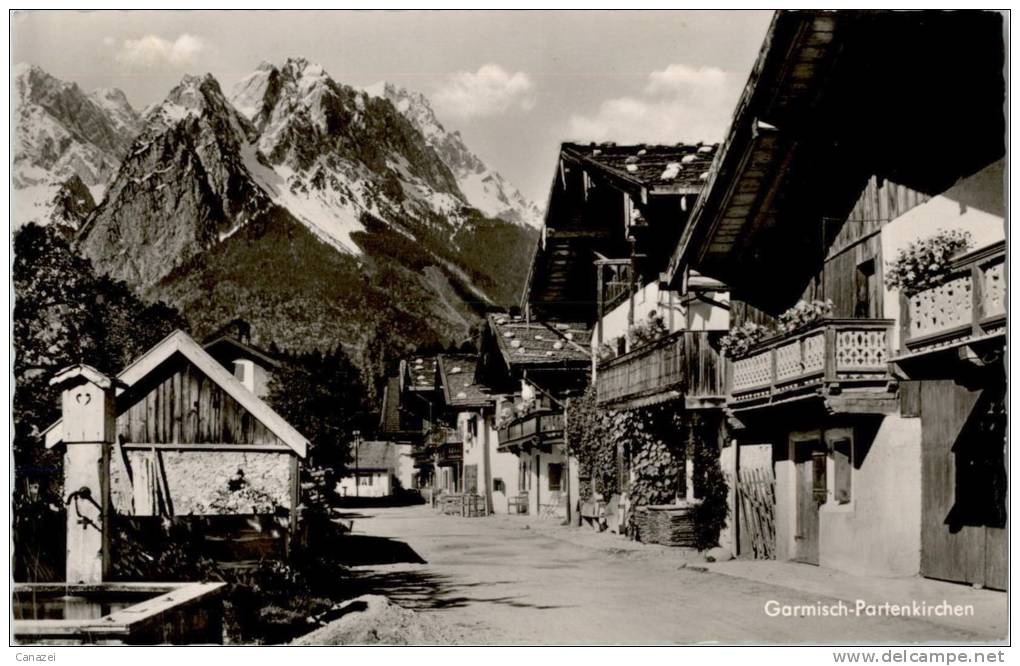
pixel 515 83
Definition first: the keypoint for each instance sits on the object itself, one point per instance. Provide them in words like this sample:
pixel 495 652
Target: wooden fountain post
pixel 88 423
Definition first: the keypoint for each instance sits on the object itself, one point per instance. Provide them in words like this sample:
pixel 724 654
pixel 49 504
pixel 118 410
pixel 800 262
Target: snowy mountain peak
pixel 61 133
pixel 484 187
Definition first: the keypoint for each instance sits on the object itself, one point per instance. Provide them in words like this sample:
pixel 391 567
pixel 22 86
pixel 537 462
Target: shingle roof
pixel 374 455
pixel 538 343
pixel 421 373
pixel 457 372
pixel 680 167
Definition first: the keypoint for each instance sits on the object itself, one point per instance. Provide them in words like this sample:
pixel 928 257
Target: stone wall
pixel 195 478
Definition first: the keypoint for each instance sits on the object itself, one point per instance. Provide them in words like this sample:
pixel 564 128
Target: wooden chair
pixel 557 500
pixel 612 514
pixel 517 503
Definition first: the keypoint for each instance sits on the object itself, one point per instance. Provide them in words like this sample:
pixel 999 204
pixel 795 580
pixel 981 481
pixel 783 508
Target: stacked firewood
pixel 669 525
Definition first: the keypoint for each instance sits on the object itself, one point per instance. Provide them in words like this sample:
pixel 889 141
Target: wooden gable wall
pixel 179 404
pixel 855 244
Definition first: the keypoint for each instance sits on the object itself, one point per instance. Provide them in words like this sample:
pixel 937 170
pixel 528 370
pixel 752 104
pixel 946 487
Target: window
pixel 498 486
pixel 819 480
pixel 555 476
pixel 523 476
pixel 866 296
pixel 365 479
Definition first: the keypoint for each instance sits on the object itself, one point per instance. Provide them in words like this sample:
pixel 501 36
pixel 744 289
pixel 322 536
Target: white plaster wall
pixel 504 466
pixel 405 465
pixel 879 531
pixel 973 204
pixel 540 493
pixel 380 486
pixel 473 447
pixel 697 316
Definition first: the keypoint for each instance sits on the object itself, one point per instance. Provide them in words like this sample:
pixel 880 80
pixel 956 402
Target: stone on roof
pixel 536 343
pixel 679 166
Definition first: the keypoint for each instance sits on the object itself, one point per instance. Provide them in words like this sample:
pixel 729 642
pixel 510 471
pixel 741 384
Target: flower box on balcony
pixel 968 305
pixel 826 357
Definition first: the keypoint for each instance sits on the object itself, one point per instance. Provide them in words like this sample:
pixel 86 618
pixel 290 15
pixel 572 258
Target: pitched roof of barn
pixel 180 342
pixel 523 343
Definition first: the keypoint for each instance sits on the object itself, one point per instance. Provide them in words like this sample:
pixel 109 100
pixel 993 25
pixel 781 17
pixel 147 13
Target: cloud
pixel 489 91
pixel 678 103
pixel 155 51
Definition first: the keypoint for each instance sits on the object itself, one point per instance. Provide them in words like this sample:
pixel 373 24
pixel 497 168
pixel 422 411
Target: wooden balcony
pixel 680 365
pixel 965 315
pixel 451 453
pixel 539 429
pixel 845 362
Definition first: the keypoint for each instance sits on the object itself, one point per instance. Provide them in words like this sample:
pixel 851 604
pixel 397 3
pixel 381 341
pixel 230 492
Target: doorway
pixel 810 457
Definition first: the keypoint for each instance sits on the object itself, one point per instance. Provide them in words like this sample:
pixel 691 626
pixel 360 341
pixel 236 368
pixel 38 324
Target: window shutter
pixel 842 470
pixel 818 476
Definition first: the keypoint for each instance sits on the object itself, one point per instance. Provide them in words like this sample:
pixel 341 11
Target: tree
pixel 324 398
pixel 64 314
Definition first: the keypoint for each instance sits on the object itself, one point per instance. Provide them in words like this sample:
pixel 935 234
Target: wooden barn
pixel 190 440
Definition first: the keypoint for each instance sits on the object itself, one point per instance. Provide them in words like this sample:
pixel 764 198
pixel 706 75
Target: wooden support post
pixel 566 467
pixel 295 502
pixel 483 419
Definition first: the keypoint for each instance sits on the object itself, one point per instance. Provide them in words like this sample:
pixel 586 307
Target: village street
pixel 515 580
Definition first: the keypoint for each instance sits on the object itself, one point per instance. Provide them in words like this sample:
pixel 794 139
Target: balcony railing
pixel 451 452
pixel 969 305
pixel 540 429
pixel 680 364
pixel 835 353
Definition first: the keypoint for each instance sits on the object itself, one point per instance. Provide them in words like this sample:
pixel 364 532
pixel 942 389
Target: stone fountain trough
pixel 117 613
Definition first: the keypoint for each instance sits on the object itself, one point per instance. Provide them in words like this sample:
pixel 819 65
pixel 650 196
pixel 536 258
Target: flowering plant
pixel 804 313
pixel 647 331
pixel 606 352
pixel 740 340
pixel 925 262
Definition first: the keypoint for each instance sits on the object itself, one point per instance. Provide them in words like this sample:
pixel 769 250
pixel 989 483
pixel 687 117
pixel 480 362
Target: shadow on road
pixel 424 590
pixel 361 549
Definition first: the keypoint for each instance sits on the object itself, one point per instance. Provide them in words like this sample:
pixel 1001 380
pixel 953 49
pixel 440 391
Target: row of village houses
pixel 874 417
pixel 856 411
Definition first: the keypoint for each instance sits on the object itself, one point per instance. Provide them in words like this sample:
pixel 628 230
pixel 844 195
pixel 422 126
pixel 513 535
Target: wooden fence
pixel 756 494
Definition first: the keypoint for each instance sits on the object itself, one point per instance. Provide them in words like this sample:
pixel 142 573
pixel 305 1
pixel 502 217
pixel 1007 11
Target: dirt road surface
pixel 497 580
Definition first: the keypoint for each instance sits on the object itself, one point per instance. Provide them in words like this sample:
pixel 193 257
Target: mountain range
pixel 320 212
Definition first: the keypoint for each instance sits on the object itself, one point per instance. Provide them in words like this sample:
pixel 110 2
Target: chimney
pixel 88 423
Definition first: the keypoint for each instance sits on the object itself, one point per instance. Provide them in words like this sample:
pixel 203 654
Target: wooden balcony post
pixel 772 371
pixel 904 321
pixel 829 373
pixel 977 308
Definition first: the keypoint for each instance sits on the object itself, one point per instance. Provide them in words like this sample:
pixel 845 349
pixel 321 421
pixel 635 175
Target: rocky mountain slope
pixel 64 140
pixel 483 187
pixel 314 210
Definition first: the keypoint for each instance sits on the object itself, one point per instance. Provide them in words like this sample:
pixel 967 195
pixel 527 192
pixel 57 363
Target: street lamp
pixel 357 467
